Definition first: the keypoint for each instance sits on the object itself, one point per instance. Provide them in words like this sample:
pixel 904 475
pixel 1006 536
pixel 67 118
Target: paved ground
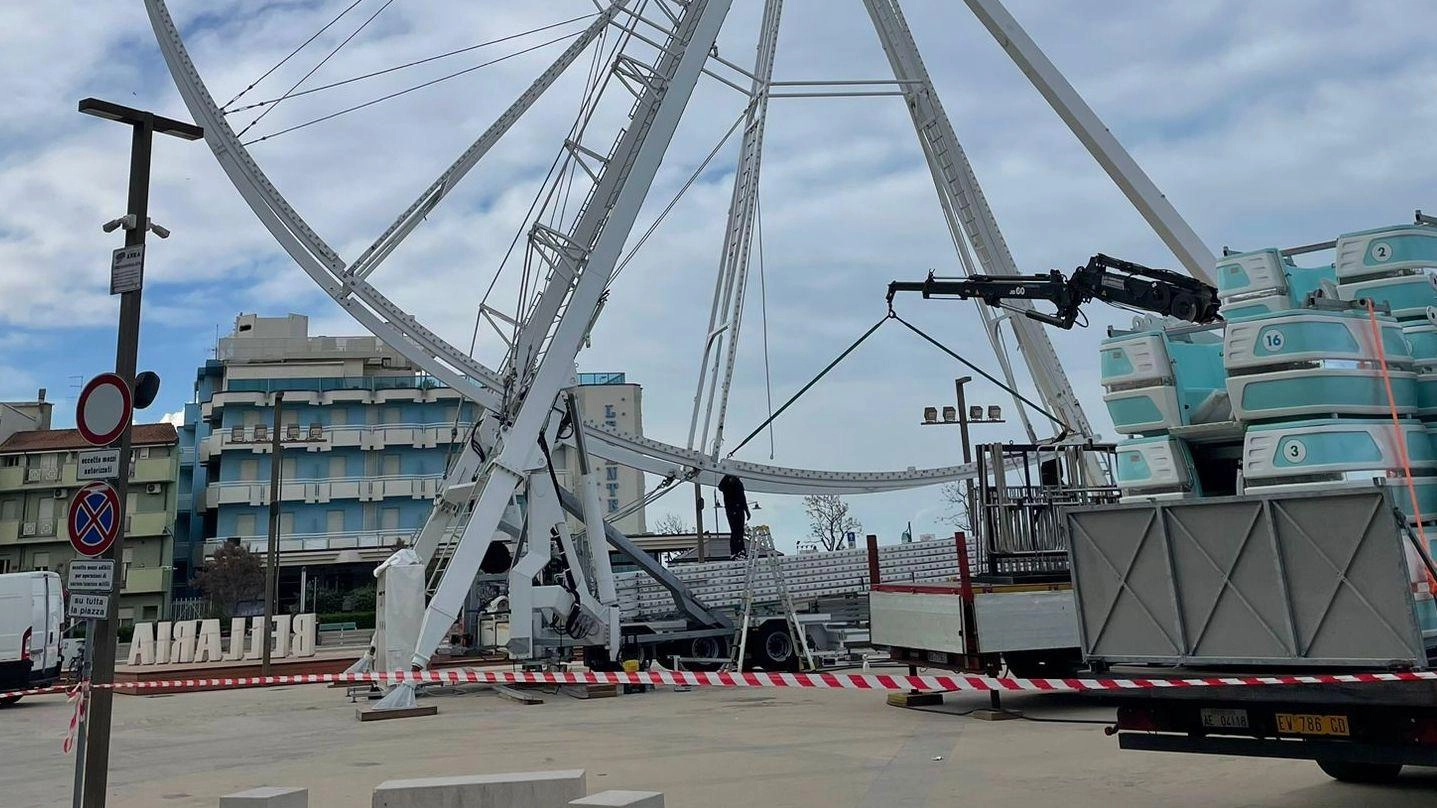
pixel 704 749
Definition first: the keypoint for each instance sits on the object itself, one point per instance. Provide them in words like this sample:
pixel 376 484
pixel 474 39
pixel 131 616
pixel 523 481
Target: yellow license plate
pixel 1303 724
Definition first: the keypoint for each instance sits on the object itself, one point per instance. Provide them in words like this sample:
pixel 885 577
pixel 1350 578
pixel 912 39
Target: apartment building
pixel 37 481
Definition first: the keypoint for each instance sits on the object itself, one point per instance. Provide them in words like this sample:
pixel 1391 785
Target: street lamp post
pixel 271 556
pixel 144 125
pixel 963 421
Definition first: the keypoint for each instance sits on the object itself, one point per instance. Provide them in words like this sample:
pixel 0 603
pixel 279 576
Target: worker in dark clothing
pixel 735 506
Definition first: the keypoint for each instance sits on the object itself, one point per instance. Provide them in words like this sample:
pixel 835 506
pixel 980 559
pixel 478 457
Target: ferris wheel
pixel 638 63
pixel 637 56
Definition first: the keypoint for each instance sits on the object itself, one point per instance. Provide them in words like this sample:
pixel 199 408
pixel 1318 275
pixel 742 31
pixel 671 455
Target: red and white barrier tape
pixel 80 697
pixel 847 681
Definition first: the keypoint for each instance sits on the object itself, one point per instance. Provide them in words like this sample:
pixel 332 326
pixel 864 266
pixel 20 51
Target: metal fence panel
pixel 1286 580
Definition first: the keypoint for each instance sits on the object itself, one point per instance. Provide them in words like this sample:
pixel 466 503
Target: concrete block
pixel 512 790
pixel 267 797
pixel 622 799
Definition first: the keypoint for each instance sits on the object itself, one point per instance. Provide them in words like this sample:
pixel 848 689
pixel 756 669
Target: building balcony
pixel 142 470
pixel 148 470
pixel 299 549
pixel 329 390
pixel 364 489
pixel 319 438
pixel 32 530
pixel 148 579
pixel 148 524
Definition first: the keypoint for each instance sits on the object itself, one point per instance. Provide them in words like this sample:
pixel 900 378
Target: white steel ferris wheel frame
pixel 964 207
pixel 581 261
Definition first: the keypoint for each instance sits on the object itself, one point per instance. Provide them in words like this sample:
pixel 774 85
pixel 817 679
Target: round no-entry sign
pixel 104 409
pixel 94 519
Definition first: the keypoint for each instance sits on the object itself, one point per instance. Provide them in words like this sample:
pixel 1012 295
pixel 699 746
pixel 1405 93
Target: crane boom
pixel 1111 280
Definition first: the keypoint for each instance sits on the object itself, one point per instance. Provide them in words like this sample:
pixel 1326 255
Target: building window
pixel 244 524
pixel 286 524
pixel 40 562
pixel 127 561
pixel 150 613
pixel 389 519
pixel 127 615
pixel 10 509
pixel 10 461
pixel 334 522
pixel 390 467
pixel 5 566
pixel 338 468
pixel 249 469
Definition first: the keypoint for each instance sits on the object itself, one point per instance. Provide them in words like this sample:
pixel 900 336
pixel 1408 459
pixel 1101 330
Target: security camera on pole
pixel 127 271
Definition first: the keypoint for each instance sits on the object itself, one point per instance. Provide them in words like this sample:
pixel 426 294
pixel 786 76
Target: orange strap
pixel 1400 439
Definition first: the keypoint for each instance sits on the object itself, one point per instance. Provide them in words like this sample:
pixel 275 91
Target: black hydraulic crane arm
pixel 1111 280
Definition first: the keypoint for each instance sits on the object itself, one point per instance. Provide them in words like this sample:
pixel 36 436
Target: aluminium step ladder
pixel 760 550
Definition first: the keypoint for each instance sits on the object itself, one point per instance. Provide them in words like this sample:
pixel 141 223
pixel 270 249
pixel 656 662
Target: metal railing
pixel 325 384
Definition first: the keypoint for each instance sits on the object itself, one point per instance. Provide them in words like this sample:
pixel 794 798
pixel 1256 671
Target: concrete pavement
pixel 707 748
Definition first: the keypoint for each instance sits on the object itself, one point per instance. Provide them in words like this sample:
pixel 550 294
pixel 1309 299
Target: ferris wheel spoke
pixel 726 315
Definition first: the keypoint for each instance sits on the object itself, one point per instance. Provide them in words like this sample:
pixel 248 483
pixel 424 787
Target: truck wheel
pixel 708 648
pixel 6 701
pixel 1347 772
pixel 772 649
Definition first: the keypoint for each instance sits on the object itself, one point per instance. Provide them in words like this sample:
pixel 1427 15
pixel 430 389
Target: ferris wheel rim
pixel 435 355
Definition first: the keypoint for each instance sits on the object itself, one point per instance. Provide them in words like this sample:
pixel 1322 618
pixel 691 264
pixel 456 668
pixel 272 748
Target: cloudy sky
pixel 1268 124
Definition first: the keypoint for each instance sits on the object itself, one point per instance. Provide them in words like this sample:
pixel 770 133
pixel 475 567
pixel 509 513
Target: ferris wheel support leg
pixel 448 600
pixel 964 205
pixel 594 247
pixel 1160 214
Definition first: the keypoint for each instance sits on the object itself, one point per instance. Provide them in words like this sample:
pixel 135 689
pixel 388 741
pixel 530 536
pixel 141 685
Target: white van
pixel 32 606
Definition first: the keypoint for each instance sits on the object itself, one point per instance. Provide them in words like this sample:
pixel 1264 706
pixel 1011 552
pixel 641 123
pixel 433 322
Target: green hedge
pixel 359 619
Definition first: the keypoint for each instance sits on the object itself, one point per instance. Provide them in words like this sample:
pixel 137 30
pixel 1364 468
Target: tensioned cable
pixel 672 202
pixel 981 372
pixel 426 60
pixel 406 91
pixel 291 55
pixel 315 69
pixel 831 365
pixel 892 315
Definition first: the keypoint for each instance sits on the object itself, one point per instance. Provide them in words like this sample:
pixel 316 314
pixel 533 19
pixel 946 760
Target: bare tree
pixel 957 512
pixel 829 520
pixel 671 525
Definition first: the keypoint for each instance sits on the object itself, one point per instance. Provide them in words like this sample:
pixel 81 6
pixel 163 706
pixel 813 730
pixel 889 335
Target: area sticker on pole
pixel 104 409
pixel 94 519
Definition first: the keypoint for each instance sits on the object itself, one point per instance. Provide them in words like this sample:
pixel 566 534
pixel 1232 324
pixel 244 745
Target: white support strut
pixel 1160 214
pixel 967 209
pixel 601 232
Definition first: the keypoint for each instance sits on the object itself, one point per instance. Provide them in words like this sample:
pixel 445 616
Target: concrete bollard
pixel 512 790
pixel 622 799
pixel 267 797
